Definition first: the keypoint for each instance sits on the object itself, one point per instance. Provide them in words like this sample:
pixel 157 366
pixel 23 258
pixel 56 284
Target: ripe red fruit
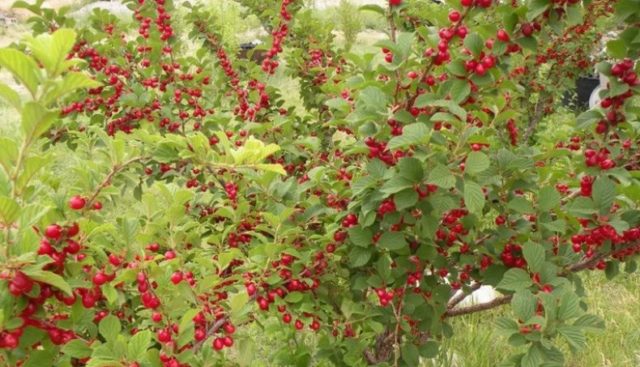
pixel 100 278
pixel 299 325
pixel 229 329
pixel 286 318
pixel 454 16
pixel 176 277
pixel 97 205
pixel 412 75
pixel 164 336
pixel 228 341
pixel 218 343
pixel 53 232
pixel 466 3
pixel 395 2
pixel 503 35
pixel 77 202
pixel 156 317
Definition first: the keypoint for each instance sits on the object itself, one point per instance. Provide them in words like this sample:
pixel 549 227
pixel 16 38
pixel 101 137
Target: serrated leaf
pixel 237 302
pixel 412 134
pixel 410 354
pixel 474 43
pixel 574 336
pixel 359 256
pixel 604 193
pixel 269 167
pixel 524 304
pixel 460 90
pixel 569 307
pixel 441 176
pixel 52 49
pixel 23 68
pixel 36 120
pixel 9 211
pixel 294 297
pixel 11 96
pixel 392 241
pixel 588 118
pixel 473 197
pixel 138 345
pixel 360 236
pixel 476 162
pixel 520 205
pixel 411 169
pixel 76 349
pixel 405 199
pixel 534 254
pixel 48 277
pixel 109 327
pixel 548 198
pixel 515 279
pixel 589 322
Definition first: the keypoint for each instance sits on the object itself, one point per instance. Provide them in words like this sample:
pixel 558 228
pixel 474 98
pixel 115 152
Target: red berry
pixel 77 202
pixel 53 231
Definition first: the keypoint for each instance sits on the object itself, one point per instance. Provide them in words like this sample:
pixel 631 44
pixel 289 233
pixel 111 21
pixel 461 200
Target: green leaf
pixel 548 198
pixel 413 134
pixel 569 306
pixel 396 184
pixel 52 49
pixel 76 348
pixel 534 254
pixel 604 192
pixel 460 90
pixel 574 336
pixel 9 210
pixel 372 7
pixel 506 326
pixel 405 199
pixel 533 357
pixel 476 162
pixel 360 236
pixel 410 354
pixel 589 322
pixel 520 205
pixel 109 328
pixel 617 49
pixel 537 7
pixel 441 176
pixel 411 169
pixel 359 256
pixel 71 82
pixel 515 279
pixel 392 241
pixel 23 68
pixel 373 100
pixel 36 120
pixel 474 43
pixel 588 118
pixel 294 297
pixel 524 304
pixel 237 302
pixel 138 345
pixel 473 197
pixel 269 167
pixel 8 154
pixel 11 96
pixel 48 277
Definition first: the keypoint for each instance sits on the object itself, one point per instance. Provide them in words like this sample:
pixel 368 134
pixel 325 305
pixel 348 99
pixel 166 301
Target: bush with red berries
pixel 162 199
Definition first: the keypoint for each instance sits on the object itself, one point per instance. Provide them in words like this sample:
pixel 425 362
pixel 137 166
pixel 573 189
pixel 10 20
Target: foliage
pixel 159 196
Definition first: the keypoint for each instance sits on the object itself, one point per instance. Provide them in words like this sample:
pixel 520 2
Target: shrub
pixel 159 204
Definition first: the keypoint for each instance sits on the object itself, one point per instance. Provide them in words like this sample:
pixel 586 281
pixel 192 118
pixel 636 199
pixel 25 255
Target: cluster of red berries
pixel 451 227
pixel 512 257
pixel 598 158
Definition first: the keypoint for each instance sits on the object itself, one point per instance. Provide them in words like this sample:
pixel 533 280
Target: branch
pixel 582 265
pixel 107 180
pixel 455 300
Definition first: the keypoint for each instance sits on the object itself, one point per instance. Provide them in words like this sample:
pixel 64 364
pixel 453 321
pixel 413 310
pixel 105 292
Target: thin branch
pixel 107 180
pixel 455 300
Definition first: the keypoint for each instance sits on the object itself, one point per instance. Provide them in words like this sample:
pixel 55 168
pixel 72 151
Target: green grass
pixel 617 301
